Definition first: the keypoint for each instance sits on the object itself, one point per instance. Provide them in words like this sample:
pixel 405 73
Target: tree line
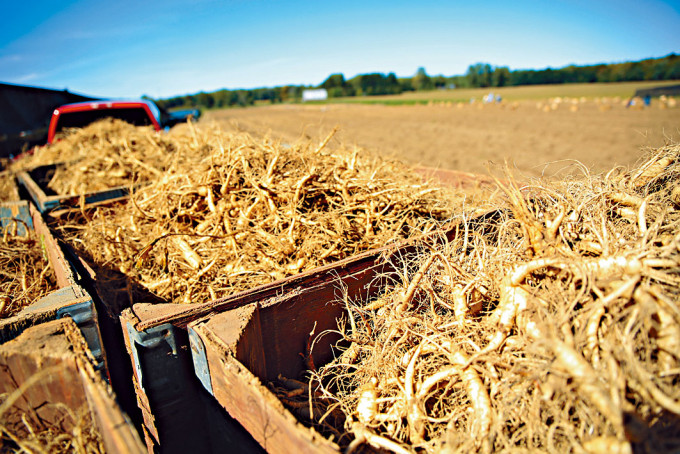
pixel 477 75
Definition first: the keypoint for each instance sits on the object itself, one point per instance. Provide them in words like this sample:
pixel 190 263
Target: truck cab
pixel 80 114
pixel 137 112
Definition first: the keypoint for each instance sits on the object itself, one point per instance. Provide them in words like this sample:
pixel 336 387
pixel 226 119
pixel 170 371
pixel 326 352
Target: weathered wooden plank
pixel 47 203
pixel 41 311
pixel 150 431
pixel 55 254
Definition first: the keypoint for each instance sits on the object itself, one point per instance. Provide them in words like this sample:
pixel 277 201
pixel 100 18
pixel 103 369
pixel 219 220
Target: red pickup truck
pixel 139 112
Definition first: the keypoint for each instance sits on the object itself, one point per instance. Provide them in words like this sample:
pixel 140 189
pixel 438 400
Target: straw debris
pixel 75 432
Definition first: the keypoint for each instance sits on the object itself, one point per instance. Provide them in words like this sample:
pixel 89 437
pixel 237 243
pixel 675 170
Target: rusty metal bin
pixel 35 182
pixel 247 339
pixel 48 368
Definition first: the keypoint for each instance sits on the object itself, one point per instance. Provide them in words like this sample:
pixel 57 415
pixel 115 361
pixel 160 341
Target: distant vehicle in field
pixel 137 112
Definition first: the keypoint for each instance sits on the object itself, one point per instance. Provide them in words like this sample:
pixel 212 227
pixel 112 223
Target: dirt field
pixel 530 134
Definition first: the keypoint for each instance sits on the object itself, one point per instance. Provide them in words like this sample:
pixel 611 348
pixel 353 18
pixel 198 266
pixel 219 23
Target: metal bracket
pixel 150 338
pixel 83 316
pixel 200 359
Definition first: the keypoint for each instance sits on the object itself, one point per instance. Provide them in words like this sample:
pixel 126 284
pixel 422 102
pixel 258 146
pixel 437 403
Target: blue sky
pixel 124 48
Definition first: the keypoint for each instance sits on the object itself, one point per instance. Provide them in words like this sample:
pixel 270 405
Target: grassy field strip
pixel 622 90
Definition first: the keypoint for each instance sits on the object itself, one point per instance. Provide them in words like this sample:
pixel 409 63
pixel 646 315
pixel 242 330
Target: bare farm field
pixel 537 136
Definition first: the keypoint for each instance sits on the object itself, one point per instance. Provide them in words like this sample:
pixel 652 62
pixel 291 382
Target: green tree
pixel 479 75
pixel 421 81
pixel 337 86
pixel 500 76
pixel 334 81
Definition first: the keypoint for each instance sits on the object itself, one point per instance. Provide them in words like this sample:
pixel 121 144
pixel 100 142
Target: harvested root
pixel 8 187
pixel 231 212
pixel 575 345
pixel 103 155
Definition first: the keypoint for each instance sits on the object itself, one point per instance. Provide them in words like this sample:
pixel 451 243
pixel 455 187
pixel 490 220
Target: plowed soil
pixel 534 136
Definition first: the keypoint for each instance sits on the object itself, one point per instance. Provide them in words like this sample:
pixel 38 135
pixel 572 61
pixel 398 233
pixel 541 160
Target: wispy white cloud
pixel 27 77
pixel 11 58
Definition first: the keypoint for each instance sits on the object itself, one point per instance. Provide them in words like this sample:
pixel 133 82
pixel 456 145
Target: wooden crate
pixel 49 366
pixel 35 182
pixel 69 300
pixel 247 339
pixel 179 414
pixel 163 341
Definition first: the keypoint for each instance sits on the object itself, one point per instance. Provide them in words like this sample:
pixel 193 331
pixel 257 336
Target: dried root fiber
pixel 103 155
pixel 230 212
pixel 26 275
pixel 558 330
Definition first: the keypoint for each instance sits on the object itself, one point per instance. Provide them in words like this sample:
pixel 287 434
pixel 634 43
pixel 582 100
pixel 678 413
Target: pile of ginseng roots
pixel 25 273
pixel 105 154
pixel 229 212
pixel 555 328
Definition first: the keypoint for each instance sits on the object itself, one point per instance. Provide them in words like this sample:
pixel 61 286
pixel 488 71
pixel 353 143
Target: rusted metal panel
pixel 50 365
pixel 35 183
